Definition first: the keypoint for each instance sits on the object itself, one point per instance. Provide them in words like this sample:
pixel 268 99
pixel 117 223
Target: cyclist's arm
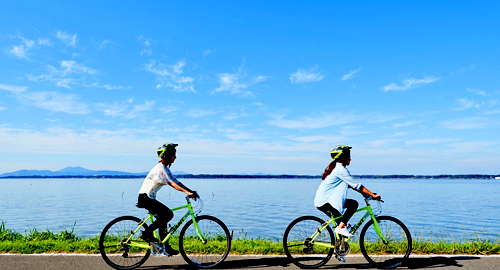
pixel 181 187
pixel 364 190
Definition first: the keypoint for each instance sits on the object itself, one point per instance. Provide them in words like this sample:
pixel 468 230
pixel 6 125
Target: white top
pixel 333 189
pixel 156 178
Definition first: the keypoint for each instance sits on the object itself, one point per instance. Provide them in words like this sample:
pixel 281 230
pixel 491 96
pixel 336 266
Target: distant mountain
pixel 76 171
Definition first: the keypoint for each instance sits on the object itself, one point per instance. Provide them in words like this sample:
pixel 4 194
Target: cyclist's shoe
pixel 170 250
pixel 148 237
pixel 158 250
pixel 343 231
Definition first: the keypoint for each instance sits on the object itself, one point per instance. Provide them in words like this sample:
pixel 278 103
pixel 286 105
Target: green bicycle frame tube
pixel 189 212
pixel 369 212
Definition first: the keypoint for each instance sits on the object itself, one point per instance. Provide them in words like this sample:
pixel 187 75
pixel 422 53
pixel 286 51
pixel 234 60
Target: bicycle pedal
pixel 341 259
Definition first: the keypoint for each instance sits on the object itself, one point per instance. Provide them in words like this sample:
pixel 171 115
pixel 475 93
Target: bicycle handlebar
pixel 371 198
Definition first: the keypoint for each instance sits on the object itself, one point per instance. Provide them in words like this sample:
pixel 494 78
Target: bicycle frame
pixel 368 213
pixel 189 213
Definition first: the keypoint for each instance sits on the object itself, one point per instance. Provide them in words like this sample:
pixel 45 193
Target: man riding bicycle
pixel 159 176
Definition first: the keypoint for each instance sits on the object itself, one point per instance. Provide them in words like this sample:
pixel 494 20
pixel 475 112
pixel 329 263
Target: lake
pixel 253 208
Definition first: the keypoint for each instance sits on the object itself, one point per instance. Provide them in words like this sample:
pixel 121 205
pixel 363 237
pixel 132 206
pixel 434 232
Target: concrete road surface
pixel 86 262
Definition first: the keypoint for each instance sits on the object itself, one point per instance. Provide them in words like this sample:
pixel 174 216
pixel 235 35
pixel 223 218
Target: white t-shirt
pixel 156 178
pixel 333 189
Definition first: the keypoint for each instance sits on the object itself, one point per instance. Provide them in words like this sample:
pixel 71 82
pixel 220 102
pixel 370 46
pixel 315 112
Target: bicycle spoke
pixel 115 248
pixel 300 248
pixel 209 253
pixel 390 251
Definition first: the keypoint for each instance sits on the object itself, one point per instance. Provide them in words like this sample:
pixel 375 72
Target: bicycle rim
pixel 113 246
pixel 213 251
pixel 394 251
pixel 300 249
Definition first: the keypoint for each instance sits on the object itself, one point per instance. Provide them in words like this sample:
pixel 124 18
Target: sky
pixel 251 86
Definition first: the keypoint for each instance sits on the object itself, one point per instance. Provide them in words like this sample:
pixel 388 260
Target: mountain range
pixel 76 171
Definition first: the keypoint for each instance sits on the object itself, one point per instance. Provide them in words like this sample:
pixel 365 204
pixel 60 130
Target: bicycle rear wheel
pixel 300 249
pixel 394 250
pixel 116 251
pixel 209 253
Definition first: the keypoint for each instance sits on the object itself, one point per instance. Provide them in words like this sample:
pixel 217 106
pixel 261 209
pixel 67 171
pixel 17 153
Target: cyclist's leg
pixel 351 206
pixel 162 212
pixel 330 211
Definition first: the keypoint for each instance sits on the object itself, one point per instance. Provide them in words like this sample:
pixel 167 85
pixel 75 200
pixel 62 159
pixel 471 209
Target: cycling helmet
pixel 162 150
pixel 337 152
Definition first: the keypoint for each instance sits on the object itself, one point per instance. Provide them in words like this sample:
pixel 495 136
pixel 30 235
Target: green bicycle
pixel 203 242
pixel 384 241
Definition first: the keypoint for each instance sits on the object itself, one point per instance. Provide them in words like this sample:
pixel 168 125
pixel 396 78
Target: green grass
pixel 44 241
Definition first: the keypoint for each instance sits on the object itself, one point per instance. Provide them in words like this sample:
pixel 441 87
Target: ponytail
pixel 328 169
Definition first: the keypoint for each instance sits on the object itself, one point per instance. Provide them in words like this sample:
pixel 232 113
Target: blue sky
pixel 251 86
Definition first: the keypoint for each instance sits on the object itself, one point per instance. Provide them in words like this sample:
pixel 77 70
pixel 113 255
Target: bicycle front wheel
pixel 210 252
pixel 304 251
pixel 117 248
pixel 389 252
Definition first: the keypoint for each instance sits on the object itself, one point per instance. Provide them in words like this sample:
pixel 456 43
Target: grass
pixel 44 241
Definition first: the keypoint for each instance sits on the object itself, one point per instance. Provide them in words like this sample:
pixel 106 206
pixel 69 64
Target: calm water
pixel 254 208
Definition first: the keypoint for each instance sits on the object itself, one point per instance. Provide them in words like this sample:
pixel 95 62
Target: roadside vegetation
pixel 44 241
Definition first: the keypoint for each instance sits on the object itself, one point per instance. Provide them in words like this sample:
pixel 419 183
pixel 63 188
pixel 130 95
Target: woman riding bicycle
pixel 159 176
pixel 332 192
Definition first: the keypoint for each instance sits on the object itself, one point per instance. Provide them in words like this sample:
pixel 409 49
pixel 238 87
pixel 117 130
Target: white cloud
pixel 305 76
pixel 467 104
pixel 21 51
pixel 125 108
pixel 44 41
pixel 237 84
pixel 147 46
pixel 52 101
pixel 381 117
pixel 410 84
pixel 138 109
pixel 69 73
pixel 470 123
pixel 66 39
pixel 406 124
pixel 2 109
pixel 115 109
pixel 71 66
pixel 105 43
pixel 171 76
pixel 168 109
pixel 231 82
pixel 312 122
pixel 260 78
pixel 321 139
pixel 350 74
pixel 199 113
pixel 55 102
pixel 112 87
pixel 234 134
pixel 428 141
pixel 478 91
pixel 13 88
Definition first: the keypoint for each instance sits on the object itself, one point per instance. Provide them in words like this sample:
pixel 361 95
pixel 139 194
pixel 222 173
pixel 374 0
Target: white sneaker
pixel 343 231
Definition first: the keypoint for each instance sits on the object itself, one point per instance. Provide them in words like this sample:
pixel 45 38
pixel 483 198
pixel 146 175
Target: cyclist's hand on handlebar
pixel 377 197
pixel 193 195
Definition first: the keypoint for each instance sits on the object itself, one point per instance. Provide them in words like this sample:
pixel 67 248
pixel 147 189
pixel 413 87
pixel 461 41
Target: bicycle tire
pixel 390 254
pixel 114 252
pixel 299 250
pixel 211 253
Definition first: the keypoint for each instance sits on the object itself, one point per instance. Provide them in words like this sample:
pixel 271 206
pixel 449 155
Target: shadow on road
pixel 262 263
pixel 435 262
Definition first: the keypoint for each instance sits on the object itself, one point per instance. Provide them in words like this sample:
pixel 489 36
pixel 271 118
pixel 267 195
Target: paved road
pixel 86 262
